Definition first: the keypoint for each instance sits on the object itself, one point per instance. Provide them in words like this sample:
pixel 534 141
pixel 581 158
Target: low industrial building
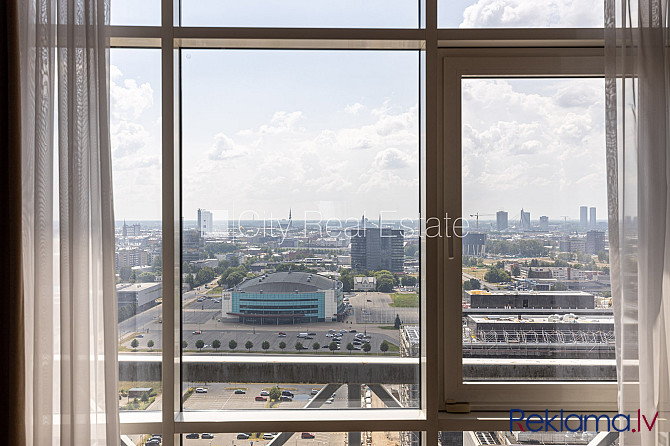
pixel 140 296
pixel 365 283
pixel 285 298
pixel 531 299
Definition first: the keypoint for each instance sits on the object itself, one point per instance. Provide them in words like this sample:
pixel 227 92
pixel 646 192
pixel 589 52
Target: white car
pixel 265 393
pixel 268 436
pixel 201 390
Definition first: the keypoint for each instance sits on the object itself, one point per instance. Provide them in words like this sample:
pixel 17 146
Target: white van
pixel 302 335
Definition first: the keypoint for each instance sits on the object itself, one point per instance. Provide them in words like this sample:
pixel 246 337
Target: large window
pixel 296 182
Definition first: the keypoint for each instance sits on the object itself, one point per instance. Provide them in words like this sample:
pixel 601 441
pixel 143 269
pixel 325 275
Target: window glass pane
pixel 141 439
pixel 494 438
pixel 135 12
pixel 536 282
pixel 136 164
pixel 520 14
pixel 297 438
pixel 302 13
pixel 300 197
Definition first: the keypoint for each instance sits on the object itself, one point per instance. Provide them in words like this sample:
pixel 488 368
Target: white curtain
pixel 68 224
pixel 638 156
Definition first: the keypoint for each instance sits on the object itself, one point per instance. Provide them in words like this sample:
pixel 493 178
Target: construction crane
pixel 477 215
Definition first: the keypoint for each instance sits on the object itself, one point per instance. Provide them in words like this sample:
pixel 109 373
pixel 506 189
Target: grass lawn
pixel 387 327
pixel 216 290
pixel 405 300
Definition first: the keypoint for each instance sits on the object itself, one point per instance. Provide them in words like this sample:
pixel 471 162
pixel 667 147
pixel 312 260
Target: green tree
pixel 248 345
pixel 234 278
pixel 409 281
pixel 216 344
pixel 385 284
pixel 145 397
pixel 316 346
pixel 150 344
pixel 298 346
pixel 157 264
pixel 384 347
pixel 232 344
pixel 199 344
pixel 204 275
pixel 350 347
pixel 472 284
pixel 367 347
pixel 495 275
pixel 133 277
pixel 125 272
pixel 333 346
pixel 265 346
pixel 134 343
pixel 184 344
pixel 190 280
pixel 516 271
pixel 397 322
pixel 146 277
pixel 275 393
pixel 282 345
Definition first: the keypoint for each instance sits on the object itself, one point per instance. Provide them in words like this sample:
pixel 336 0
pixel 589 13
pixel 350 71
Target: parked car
pixel 192 436
pixel 139 335
pixel 268 436
pixel 197 332
pixel 265 393
pixel 287 393
pixel 315 391
pixel 240 392
pixel 152 443
pixel 306 435
pixel 286 399
pixel 282 334
pixel 156 438
pixel 242 436
pixel 207 436
pixel 353 330
pixel 261 398
pixel 200 390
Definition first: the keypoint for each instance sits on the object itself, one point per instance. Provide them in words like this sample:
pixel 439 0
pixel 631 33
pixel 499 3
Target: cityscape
pixel 532 288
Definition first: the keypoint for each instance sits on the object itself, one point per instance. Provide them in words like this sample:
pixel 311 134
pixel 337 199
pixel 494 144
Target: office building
pixel 583 217
pixel 377 249
pixel 285 298
pixel 138 296
pixel 525 221
pixel 595 242
pixel 192 245
pixel 592 222
pixel 502 220
pixel 474 244
pixel 531 299
pixel 205 222
pixel 544 223
pixel 131 257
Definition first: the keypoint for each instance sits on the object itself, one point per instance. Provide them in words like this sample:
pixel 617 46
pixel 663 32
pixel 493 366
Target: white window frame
pixel 440 375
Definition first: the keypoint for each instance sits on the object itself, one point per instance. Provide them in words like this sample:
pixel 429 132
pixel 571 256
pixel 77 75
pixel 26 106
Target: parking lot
pixel 320 438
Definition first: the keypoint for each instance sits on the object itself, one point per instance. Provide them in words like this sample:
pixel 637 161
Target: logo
pixel 573 422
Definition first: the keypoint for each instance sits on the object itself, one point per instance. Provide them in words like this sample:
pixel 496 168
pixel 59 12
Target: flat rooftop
pixel 491 319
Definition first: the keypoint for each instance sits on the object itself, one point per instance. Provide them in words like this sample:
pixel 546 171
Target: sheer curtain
pixel 68 224
pixel 638 143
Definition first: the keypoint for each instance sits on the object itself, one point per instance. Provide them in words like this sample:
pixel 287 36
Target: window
pixel 224 87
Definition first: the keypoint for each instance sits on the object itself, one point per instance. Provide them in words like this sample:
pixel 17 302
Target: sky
pixel 336 133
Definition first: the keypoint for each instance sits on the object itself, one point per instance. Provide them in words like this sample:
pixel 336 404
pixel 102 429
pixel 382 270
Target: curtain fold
pixel 638 157
pixel 68 224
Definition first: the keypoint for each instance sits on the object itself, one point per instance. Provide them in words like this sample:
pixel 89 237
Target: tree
pixel 184 344
pixel 204 275
pixel 199 344
pixel 275 393
pixel 409 281
pixel 216 344
pixel 190 280
pixel 495 275
pixel 298 346
pixel 367 347
pixel 248 345
pixel 282 345
pixel 134 343
pixel 397 322
pixel 384 347
pixel 472 284
pixel 133 277
pixel 125 272
pixel 350 346
pixel 146 277
pixel 516 271
pixel 265 346
pixel 150 344
pixel 333 346
pixel 232 344
pixel 234 278
pixel 145 397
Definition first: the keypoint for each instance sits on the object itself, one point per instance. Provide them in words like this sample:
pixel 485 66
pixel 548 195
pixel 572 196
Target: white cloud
pixel 128 98
pixel 128 138
pixel 391 158
pixel 533 13
pixel 353 109
pixel 224 148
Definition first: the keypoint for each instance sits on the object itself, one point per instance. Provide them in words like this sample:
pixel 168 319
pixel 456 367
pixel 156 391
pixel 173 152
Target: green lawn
pixel 405 300
pixel 216 290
